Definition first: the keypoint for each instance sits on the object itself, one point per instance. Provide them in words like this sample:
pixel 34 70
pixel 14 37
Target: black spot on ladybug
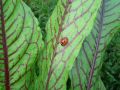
pixel 64 41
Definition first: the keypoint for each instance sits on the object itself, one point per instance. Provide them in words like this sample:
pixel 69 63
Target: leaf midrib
pixel 97 46
pixel 57 39
pixel 5 48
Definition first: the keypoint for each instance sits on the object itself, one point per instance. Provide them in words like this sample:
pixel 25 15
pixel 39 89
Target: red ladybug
pixel 64 41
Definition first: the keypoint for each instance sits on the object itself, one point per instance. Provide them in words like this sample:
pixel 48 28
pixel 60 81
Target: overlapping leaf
pixel 20 41
pixel 72 19
pixel 86 71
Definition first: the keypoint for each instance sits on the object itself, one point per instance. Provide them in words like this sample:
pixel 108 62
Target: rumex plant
pixel 70 48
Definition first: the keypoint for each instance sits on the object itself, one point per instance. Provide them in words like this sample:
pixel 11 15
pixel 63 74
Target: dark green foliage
pixel 111 66
pixel 42 10
pixel 68 83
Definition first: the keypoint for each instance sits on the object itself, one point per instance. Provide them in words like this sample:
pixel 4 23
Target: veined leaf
pixel 20 41
pixel 86 71
pixel 71 20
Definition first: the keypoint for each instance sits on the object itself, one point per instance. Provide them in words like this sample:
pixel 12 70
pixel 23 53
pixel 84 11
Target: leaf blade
pixel 91 56
pixel 65 22
pixel 22 35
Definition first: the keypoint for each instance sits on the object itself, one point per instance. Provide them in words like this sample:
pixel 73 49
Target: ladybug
pixel 64 41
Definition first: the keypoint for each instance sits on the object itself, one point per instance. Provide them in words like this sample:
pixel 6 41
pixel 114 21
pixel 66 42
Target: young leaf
pixel 70 23
pixel 86 71
pixel 20 41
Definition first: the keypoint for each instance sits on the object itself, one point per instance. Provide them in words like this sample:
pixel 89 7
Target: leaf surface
pixel 71 19
pixel 20 41
pixel 86 70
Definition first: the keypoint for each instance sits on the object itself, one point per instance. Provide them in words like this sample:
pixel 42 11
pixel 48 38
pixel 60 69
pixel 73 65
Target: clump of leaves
pixel 42 9
pixel 111 65
pixel 85 74
pixel 71 53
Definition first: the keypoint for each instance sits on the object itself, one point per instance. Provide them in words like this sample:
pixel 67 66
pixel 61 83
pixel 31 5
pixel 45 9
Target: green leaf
pixel 86 70
pixel 20 41
pixel 74 20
